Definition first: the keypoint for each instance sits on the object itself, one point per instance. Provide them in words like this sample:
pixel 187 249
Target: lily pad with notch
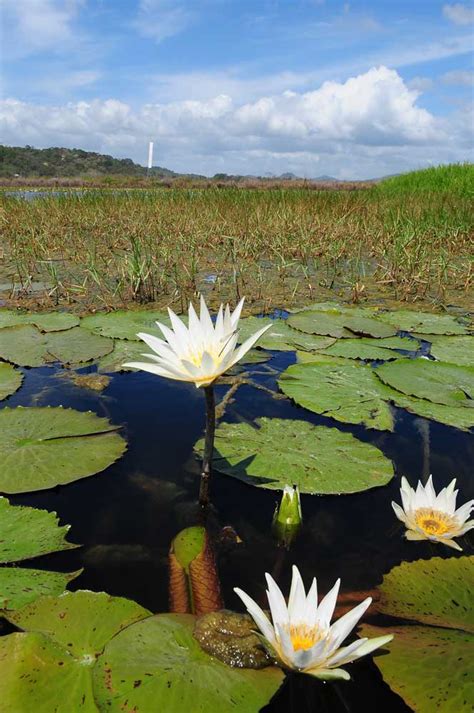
pixel 124 324
pixel 10 380
pixel 44 321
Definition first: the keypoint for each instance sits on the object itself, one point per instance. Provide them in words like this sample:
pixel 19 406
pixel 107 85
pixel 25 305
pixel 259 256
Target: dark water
pixel 127 516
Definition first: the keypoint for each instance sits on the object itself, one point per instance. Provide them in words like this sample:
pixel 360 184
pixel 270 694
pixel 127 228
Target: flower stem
pixel 208 445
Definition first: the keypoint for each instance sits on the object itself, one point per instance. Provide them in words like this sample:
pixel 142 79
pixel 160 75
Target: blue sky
pixel 355 90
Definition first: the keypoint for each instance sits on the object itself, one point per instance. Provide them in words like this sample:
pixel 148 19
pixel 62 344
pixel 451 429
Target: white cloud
pixel 368 125
pixel 420 84
pixel 159 19
pixel 38 25
pixel 459 14
pixel 459 77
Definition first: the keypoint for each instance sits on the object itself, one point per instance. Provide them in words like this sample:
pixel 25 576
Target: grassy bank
pixel 407 239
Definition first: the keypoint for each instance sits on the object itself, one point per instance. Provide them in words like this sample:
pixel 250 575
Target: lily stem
pixel 208 445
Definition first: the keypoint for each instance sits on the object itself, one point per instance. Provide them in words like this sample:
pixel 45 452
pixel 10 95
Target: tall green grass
pixel 454 179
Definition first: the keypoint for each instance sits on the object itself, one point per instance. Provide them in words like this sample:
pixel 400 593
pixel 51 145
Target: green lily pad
pixel 157 664
pixel 341 323
pixel 358 349
pixel 455 350
pixel 123 351
pixel 350 393
pixel 318 357
pixel 10 380
pixel 27 346
pixel 45 321
pixel 429 664
pixel 316 458
pixel 27 532
pixel 82 621
pixel 21 585
pixel 280 336
pixel 423 322
pixel 44 447
pixel 124 324
pixel 438 382
pixel 455 416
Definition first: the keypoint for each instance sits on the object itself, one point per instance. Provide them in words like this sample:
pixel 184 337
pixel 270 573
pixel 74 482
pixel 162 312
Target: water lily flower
pixel 288 518
pixel 428 516
pixel 199 352
pixel 301 636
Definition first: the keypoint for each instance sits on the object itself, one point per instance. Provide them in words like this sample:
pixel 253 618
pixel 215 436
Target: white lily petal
pixel 258 615
pixel 327 606
pixel 329 674
pixel 341 629
pixel 276 602
pixel 297 598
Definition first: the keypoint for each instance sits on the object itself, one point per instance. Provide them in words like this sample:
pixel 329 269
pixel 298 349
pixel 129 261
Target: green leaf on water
pixel 438 382
pixel 44 447
pixel 21 585
pixel 157 664
pixel 350 393
pixel 455 350
pixel 279 452
pixel 423 322
pixel 125 324
pixel 123 351
pixel 45 321
pixel 455 416
pixel 280 336
pixel 429 664
pixel 341 322
pixel 10 380
pixel 360 349
pixel 27 532
pixel 27 346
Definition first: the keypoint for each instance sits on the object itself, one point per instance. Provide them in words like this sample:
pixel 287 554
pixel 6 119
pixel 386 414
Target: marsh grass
pixel 405 238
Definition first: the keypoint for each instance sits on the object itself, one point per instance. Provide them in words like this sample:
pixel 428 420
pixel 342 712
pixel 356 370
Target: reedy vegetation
pixel 409 238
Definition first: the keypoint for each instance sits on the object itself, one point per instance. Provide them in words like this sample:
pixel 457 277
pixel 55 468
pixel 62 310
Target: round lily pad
pixel 455 416
pixel 27 532
pixel 358 349
pixel 350 393
pixel 316 458
pixel 45 321
pixel 455 350
pixel 438 382
pixel 429 664
pixel 10 380
pixel 24 345
pixel 123 324
pixel 77 345
pixel 44 447
pixel 341 323
pixel 27 346
pixel 280 336
pixel 423 322
pixel 21 585
pixel 157 664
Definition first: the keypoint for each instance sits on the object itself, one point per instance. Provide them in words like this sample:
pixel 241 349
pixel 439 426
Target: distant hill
pixel 59 162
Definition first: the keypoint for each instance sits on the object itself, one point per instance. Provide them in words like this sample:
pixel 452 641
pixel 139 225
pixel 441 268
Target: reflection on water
pixel 127 516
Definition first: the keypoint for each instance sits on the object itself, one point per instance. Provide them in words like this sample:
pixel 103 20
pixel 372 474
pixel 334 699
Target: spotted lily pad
pixel 22 585
pixel 10 380
pixel 280 336
pixel 438 382
pixel 423 322
pixel 455 350
pixel 27 346
pixel 341 323
pixel 350 393
pixel 157 664
pixel 45 321
pixel 316 458
pixel 124 324
pixel 44 447
pixel 430 662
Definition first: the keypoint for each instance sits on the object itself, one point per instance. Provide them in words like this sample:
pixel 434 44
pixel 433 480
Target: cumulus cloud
pixel 159 19
pixel 458 13
pixel 38 25
pixel 369 118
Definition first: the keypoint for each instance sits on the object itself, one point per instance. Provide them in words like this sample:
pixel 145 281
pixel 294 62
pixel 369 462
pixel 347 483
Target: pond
pixel 127 516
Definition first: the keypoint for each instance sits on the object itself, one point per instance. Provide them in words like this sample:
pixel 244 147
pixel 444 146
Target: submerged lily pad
pixel 438 382
pixel 21 585
pixel 280 336
pixel 316 458
pixel 27 532
pixel 45 321
pixel 455 350
pixel 10 380
pixel 430 666
pixel 350 393
pixel 27 346
pixel 124 324
pixel 157 664
pixel 44 447
pixel 341 323
pixel 423 322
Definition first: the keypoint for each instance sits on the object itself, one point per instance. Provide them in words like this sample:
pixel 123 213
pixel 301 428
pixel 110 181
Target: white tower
pixel 150 156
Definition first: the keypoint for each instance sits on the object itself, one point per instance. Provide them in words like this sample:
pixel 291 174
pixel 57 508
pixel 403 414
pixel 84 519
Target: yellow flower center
pixel 303 637
pixel 434 522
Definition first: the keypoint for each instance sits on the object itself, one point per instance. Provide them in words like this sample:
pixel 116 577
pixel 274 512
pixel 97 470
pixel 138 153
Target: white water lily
pixel 428 516
pixel 302 637
pixel 200 352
